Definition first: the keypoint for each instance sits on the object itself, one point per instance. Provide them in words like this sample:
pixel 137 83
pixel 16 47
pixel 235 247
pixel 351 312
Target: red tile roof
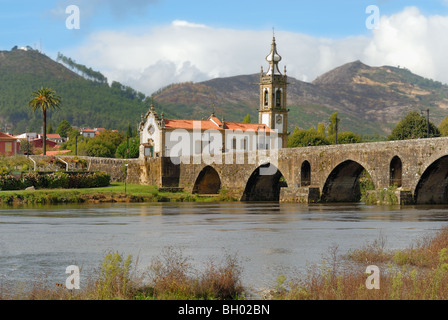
pixel 215 124
pixel 247 126
pixel 4 136
pixel 188 124
pixel 53 136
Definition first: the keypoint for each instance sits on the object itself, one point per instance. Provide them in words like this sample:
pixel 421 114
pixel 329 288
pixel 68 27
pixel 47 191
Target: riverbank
pixel 116 192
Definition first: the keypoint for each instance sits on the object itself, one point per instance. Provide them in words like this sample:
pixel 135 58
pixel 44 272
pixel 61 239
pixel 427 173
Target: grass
pixel 416 273
pixel 114 193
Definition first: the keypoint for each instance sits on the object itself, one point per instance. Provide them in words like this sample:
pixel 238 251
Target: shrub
pixel 55 180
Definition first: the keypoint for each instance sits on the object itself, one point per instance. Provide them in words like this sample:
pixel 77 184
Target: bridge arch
pixel 396 172
pixel 207 182
pixel 342 184
pixel 264 184
pixel 433 184
pixel 305 174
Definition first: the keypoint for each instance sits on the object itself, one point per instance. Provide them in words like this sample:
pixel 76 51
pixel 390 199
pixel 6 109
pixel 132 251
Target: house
pixel 91 133
pixel 9 145
pixel 55 138
pixel 160 137
pixel 27 135
pixel 88 133
pixel 39 143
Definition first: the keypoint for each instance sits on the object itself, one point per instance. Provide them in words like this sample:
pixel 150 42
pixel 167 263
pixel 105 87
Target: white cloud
pixel 186 51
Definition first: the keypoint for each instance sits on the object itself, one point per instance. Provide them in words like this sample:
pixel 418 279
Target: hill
pixel 84 102
pixel 369 100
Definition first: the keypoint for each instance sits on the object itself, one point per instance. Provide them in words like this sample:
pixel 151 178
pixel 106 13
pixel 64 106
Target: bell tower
pixel 273 85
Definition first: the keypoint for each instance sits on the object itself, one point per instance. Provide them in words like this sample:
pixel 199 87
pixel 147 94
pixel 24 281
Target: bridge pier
pixel 300 195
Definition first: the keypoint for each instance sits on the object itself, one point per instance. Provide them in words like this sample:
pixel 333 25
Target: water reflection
pixel 270 238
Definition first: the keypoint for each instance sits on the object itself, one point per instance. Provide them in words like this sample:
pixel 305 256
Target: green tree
pixel 50 129
pixel 63 128
pixel 305 138
pixel 246 119
pixel 346 138
pixel 134 149
pixel 334 124
pixel 129 132
pixel 113 137
pixel 413 126
pixel 44 99
pixel 321 129
pixel 443 127
pixel 98 148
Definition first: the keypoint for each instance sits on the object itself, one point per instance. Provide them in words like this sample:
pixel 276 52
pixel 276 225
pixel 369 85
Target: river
pixel 270 239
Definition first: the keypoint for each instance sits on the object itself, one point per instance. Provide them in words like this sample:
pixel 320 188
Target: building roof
pixel 53 136
pixel 190 124
pixel 215 124
pixel 4 136
pixel 247 126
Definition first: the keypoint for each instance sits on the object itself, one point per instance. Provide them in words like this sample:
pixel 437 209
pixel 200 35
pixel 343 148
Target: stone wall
pixel 114 167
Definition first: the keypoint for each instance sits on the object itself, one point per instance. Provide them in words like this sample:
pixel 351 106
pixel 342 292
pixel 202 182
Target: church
pixel 160 137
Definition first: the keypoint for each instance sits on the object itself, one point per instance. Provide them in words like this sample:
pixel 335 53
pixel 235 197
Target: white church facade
pixel 162 137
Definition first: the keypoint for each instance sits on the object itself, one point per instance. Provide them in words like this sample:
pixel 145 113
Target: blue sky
pixel 327 25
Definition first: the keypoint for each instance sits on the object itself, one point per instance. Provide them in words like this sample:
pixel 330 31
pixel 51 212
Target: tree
pixel 305 138
pixel 346 138
pixel 413 126
pixel 44 99
pixel 134 151
pixel 443 127
pixel 98 148
pixel 129 132
pixel 334 124
pixel 63 128
pixel 50 129
pixel 246 119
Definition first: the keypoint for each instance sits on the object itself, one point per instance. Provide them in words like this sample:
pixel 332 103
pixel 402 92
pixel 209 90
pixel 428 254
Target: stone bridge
pixel 418 168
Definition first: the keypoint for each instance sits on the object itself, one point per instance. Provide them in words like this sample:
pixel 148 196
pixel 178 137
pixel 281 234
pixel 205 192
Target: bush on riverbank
pixel 417 273
pixel 54 180
pixel 171 276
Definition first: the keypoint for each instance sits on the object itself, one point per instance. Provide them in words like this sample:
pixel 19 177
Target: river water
pixel 269 239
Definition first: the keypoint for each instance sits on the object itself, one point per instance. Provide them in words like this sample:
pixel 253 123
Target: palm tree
pixel 44 99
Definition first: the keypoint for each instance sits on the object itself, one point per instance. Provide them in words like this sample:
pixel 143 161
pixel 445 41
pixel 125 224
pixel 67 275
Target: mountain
pixel 369 100
pixel 84 102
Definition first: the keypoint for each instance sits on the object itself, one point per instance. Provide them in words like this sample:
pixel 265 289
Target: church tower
pixel 273 84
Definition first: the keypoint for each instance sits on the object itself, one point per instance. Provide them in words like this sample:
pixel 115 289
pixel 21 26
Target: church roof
pixel 213 123
pixel 189 124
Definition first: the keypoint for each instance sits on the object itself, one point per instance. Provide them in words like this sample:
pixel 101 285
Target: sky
pixel 149 44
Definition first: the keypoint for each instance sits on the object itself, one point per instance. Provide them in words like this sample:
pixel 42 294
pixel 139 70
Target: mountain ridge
pixel 369 100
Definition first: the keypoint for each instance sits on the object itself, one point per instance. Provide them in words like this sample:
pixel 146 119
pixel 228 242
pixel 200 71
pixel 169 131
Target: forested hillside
pixel 85 102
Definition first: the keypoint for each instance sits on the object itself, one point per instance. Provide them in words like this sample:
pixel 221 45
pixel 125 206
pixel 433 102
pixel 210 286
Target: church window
pixel 278 98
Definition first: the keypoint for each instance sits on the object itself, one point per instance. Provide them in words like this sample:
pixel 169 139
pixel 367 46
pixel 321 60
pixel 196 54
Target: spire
pixel 273 58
